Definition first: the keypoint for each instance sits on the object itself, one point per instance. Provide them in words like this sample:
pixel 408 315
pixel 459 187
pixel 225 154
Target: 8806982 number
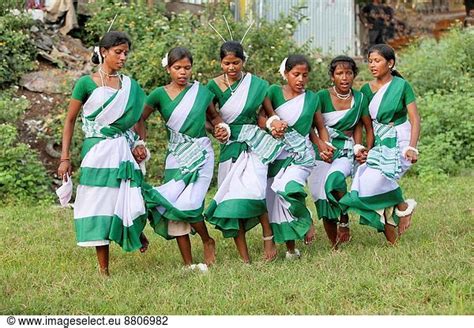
pixel 146 320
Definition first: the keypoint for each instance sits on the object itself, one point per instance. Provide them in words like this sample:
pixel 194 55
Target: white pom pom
pixel 164 61
pixel 282 68
pixel 246 56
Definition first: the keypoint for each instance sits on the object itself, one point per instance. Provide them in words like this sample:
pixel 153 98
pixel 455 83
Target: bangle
pixel 407 148
pixel 344 225
pixel 64 159
pixel 226 127
pixel 139 142
pixel 358 148
pixel 269 122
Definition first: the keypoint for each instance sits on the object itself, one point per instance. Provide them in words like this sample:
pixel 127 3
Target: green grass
pixel 428 272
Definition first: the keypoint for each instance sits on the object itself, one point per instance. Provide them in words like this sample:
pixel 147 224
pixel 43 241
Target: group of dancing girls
pixel 274 141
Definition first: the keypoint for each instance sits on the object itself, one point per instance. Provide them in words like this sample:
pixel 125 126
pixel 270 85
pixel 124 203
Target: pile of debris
pixel 62 60
pixel 67 55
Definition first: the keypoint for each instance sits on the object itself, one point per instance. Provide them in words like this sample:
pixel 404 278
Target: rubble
pixel 61 50
pixel 50 81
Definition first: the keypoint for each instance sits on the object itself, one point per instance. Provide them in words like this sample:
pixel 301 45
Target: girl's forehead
pixel 123 46
pixel 183 61
pixel 375 54
pixel 300 68
pixel 343 66
pixel 231 57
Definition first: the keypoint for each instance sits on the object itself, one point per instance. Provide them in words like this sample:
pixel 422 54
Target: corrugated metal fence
pixel 331 25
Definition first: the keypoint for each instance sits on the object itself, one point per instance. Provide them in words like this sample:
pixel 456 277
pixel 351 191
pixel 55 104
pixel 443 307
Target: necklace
pixel 230 86
pixel 342 96
pixel 107 74
pixel 101 73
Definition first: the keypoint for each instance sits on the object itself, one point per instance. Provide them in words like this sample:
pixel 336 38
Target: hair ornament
pixel 283 68
pixel 164 61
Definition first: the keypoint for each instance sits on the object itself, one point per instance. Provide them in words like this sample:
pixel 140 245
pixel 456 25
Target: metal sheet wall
pixel 331 24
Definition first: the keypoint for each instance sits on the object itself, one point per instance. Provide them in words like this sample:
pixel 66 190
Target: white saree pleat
pixel 278 207
pixel 246 178
pixel 187 197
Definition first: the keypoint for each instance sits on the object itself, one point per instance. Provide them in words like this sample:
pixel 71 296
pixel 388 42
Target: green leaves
pixel 22 175
pixel 442 75
pixel 17 53
pixel 154 34
pixel 441 66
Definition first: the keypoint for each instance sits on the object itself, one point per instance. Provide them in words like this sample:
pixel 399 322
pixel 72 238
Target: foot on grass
pixel 210 252
pixel 269 249
pixel 310 235
pixel 144 242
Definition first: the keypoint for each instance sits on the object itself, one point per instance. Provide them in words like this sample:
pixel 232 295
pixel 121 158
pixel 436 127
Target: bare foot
pixel 210 251
pixel 145 243
pixel 269 249
pixel 310 235
pixel 343 235
pixel 104 272
pixel 390 233
pixel 405 215
pixel 404 224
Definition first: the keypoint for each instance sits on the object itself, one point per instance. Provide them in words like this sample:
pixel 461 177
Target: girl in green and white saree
pixel 375 193
pixel 239 204
pixel 289 217
pixel 344 111
pixel 109 204
pixel 177 205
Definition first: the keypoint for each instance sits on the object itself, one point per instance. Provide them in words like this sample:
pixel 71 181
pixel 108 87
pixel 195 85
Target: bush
pixel 447 141
pixel 153 34
pixel 22 175
pixel 443 66
pixel 441 74
pixel 11 107
pixel 7 5
pixel 17 53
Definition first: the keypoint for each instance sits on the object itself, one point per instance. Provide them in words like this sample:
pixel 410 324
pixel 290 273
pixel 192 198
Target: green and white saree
pixel 189 161
pixel 109 204
pixel 326 178
pixel 374 187
pixel 289 217
pixel 243 162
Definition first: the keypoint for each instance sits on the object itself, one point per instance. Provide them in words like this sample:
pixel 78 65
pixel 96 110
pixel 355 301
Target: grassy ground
pixel 429 272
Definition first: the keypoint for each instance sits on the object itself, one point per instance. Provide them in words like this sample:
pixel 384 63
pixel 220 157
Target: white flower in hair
pixel 246 56
pixel 97 52
pixel 282 68
pixel 164 61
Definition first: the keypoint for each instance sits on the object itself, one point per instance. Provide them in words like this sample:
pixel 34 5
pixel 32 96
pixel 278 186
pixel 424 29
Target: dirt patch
pixel 34 128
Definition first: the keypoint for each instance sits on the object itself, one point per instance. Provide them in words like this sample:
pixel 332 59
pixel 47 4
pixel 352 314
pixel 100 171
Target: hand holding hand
pixel 221 134
pixel 278 128
pixel 326 152
pixel 139 153
pixel 361 156
pixel 411 156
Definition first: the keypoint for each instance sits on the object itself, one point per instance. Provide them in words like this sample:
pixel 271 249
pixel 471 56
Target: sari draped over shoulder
pixel 189 163
pixel 109 203
pixel 289 217
pixel 375 190
pixel 243 162
pixel 327 178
